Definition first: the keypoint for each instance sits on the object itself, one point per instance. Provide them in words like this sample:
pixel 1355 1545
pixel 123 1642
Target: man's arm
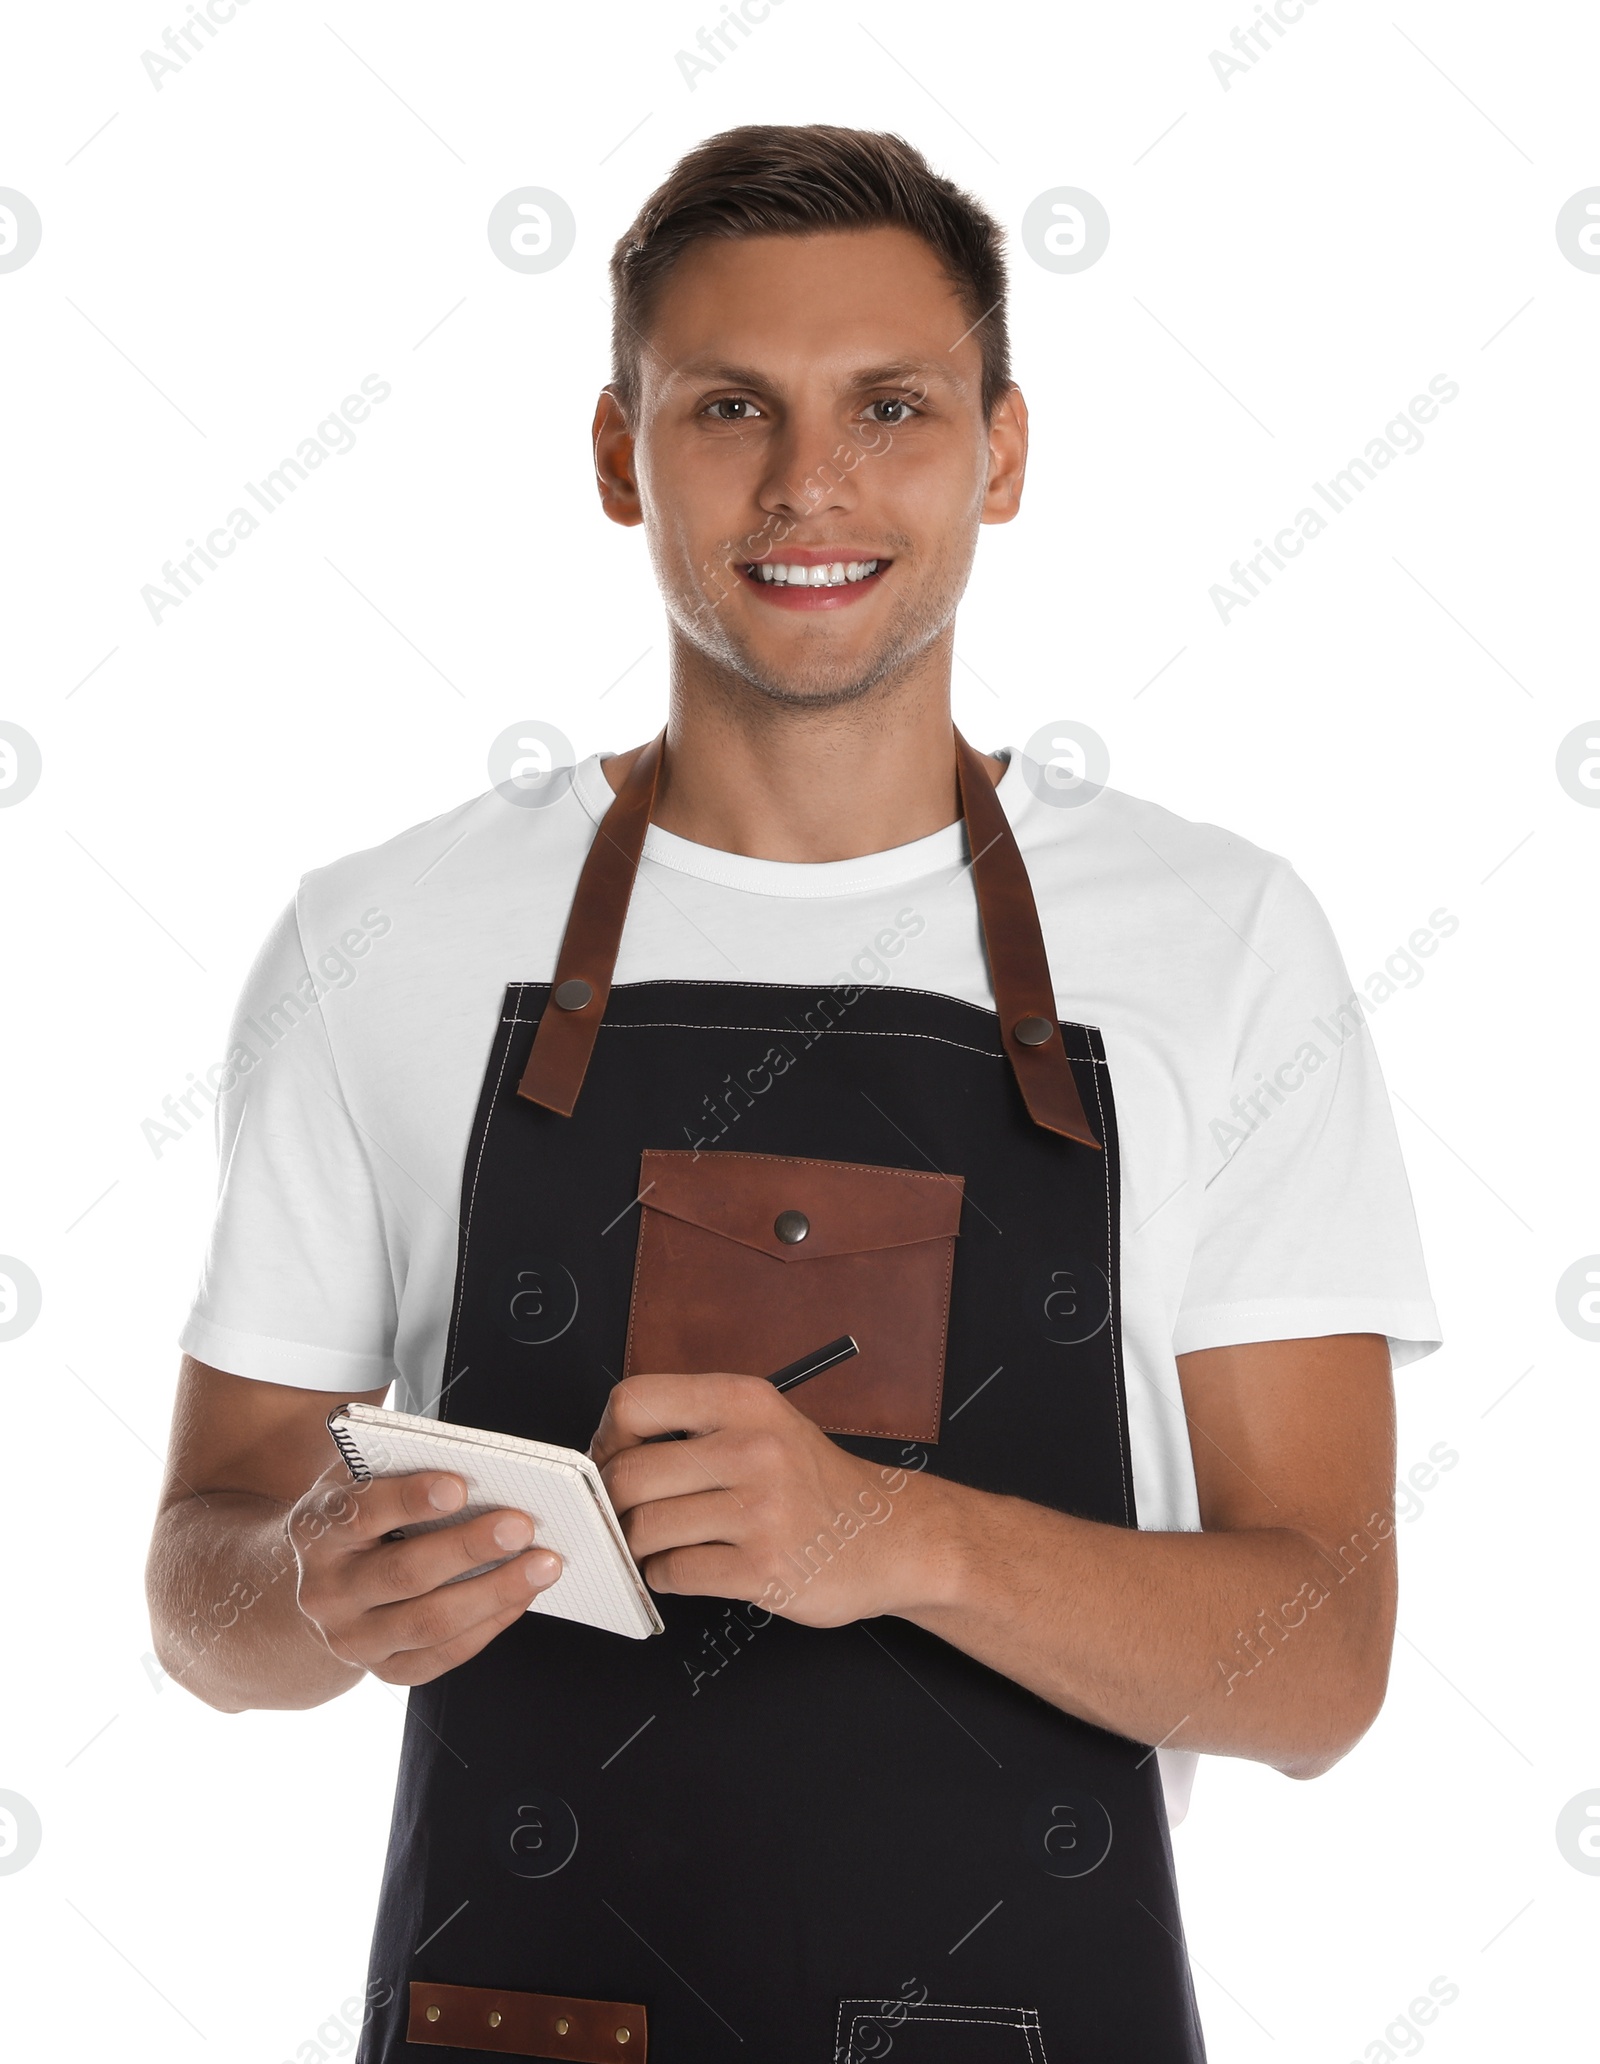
pixel 1266 1635
pixel 269 1580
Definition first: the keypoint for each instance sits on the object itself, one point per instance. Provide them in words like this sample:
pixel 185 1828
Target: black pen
pixel 793 1374
pixel 813 1364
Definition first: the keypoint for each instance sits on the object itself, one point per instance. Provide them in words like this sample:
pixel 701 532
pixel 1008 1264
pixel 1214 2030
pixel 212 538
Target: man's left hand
pixel 759 1504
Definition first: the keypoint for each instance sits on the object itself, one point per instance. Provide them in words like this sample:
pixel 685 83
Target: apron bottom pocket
pixel 937 2032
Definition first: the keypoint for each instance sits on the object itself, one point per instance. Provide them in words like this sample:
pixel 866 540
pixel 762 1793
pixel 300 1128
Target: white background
pixel 1291 259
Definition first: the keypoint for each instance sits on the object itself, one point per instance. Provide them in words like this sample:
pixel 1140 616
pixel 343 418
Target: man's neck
pixel 805 786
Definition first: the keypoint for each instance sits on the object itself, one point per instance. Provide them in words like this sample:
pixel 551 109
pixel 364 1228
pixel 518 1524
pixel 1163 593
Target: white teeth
pixel 834 576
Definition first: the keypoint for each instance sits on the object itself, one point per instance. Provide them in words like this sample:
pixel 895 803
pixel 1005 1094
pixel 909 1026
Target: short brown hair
pixel 774 180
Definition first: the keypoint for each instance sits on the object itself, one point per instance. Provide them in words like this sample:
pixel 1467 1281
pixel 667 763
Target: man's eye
pixel 743 411
pixel 891 402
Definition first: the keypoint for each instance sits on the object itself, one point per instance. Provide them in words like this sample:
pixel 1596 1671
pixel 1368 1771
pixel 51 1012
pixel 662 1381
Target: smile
pixel 810 586
pixel 836 575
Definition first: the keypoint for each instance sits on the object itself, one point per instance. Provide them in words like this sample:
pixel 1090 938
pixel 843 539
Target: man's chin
pixel 816 681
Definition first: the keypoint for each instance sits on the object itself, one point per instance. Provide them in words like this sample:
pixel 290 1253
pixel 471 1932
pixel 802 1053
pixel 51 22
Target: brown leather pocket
pixel 748 1261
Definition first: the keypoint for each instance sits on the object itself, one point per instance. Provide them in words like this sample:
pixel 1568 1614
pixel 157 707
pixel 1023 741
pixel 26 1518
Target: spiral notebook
pixel 560 1489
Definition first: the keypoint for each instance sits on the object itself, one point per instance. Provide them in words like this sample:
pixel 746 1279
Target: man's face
pixel 811 460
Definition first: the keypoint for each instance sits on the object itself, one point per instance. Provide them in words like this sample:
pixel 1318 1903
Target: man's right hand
pixel 388 1606
pixel 264 1594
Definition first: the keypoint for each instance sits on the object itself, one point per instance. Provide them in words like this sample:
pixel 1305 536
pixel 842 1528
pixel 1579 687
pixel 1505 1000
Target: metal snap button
pixel 563 2025
pixel 432 2014
pixel 573 994
pixel 494 2020
pixel 1033 1031
pixel 791 1227
pixel 622 2035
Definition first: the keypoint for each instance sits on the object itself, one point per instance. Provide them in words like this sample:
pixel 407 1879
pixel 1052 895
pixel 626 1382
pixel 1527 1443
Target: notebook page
pixel 598 1585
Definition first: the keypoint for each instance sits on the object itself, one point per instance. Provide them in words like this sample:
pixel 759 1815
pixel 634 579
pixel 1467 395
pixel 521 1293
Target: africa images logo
pixel 1402 434
pixel 334 436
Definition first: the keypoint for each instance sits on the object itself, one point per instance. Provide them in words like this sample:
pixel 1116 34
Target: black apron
pixel 792 1845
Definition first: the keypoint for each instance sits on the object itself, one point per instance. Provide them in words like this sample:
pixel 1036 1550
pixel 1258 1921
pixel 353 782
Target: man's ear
pixel 1008 458
pixel 613 461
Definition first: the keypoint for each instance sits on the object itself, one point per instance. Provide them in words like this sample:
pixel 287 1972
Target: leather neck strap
pixel 1018 965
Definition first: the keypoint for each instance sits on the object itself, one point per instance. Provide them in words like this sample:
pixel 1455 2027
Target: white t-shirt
pixel 1263 1193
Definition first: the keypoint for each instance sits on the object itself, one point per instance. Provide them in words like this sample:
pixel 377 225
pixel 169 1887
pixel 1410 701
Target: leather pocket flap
pixel 799 1210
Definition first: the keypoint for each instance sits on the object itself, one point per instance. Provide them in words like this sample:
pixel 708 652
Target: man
pixel 1130 1244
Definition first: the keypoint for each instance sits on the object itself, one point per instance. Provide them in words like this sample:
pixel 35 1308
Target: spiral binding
pixel 345 1442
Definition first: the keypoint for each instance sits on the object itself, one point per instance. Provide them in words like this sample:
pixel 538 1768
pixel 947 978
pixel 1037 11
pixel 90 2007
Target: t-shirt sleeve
pixel 297 1285
pixel 1307 1225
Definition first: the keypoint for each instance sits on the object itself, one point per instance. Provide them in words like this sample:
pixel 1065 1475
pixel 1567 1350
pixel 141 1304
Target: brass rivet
pixel 433 2014
pixel 622 2035
pixel 494 2020
pixel 573 994
pixel 1033 1031
pixel 563 2025
pixel 791 1227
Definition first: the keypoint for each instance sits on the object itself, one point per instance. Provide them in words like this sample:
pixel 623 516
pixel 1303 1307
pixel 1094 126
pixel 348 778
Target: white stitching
pixel 865 988
pixel 815 1161
pixel 835 1031
pixel 849 1031
pixel 1113 1257
pixel 962 2018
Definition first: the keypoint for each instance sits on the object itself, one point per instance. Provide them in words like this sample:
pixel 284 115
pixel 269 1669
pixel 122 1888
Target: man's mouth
pixel 837 573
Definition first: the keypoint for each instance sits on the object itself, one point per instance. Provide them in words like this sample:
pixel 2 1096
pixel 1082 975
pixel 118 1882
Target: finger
pixel 713 1571
pixel 683 1523
pixel 422 1665
pixel 643 1473
pixel 640 1406
pixel 451 1611
pixel 419 1665
pixel 391 1571
pixel 351 1515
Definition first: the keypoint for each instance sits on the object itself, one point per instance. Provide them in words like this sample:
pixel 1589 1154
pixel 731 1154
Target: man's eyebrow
pixel 902 372
pixel 909 372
